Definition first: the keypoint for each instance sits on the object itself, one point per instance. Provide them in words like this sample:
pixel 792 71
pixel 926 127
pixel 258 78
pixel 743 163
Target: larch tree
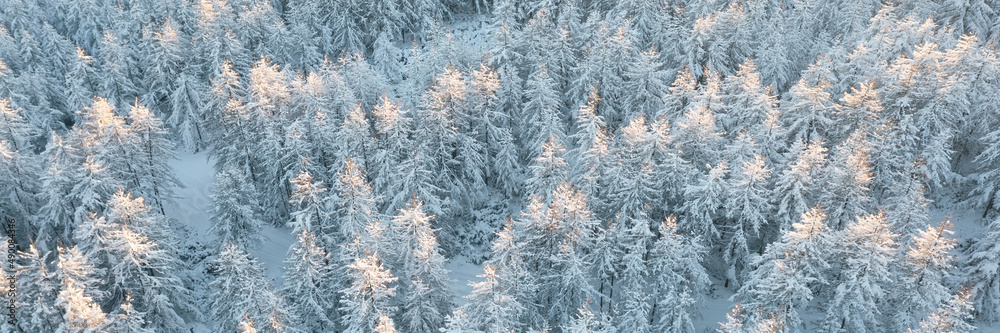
pixel 308 286
pixel 548 170
pixel 868 249
pixel 954 315
pixel 144 263
pixel 425 283
pixel 983 269
pixel 368 295
pixel 153 152
pixel 235 214
pixel 677 277
pixel 795 186
pixel 355 205
pixel 37 291
pixel 925 269
pixel 240 291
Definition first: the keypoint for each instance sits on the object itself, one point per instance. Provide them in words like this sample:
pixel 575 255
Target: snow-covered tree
pixel 954 315
pixel 355 206
pixel 368 295
pixel 236 217
pixel 240 291
pixel 491 306
pixel 426 285
pixel 308 284
pixel 861 294
pixel 983 269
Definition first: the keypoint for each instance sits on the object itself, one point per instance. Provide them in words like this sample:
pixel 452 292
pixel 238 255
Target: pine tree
pixel 983 269
pixel 369 294
pixel 235 213
pixel 955 315
pixel 869 247
pixel 239 292
pixel 82 314
pixel 809 108
pixel 307 284
pixel 37 291
pixel 355 138
pixel 426 286
pixel 157 180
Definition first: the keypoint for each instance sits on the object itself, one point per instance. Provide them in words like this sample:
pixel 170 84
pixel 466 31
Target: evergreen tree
pixel 240 292
pixel 955 315
pixel 983 269
pixel 426 286
pixel 868 248
pixel 37 290
pixel 235 214
pixel 308 286
pixel 369 294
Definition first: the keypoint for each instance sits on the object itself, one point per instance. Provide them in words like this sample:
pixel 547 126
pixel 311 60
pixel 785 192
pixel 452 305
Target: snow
pixel 193 205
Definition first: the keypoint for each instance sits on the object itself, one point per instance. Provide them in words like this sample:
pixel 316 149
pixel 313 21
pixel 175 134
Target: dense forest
pixel 606 166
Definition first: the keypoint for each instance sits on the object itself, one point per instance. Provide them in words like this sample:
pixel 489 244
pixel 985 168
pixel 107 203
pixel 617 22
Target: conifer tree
pixel 926 267
pixel 426 286
pixel 747 208
pixel 37 291
pixel 491 306
pixel 983 269
pixel 955 315
pixel 240 292
pixel 185 115
pixel 127 319
pixel 369 294
pixel 119 69
pixel 868 248
pixel 703 202
pixel 308 284
pixel 355 204
pixel 148 137
pixel 235 214
pixel 549 170
pixel 848 175
pixel 677 274
pixel 144 263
